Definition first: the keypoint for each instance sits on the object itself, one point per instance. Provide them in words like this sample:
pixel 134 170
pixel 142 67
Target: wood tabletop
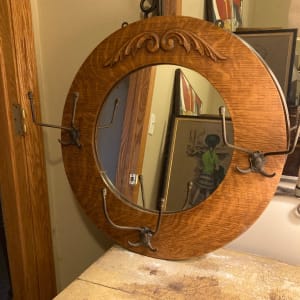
pixel 222 274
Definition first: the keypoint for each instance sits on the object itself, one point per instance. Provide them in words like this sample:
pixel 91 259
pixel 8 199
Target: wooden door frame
pixel 23 184
pixel 135 129
pixel 138 107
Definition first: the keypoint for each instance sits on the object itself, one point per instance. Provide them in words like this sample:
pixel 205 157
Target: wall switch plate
pixel 152 124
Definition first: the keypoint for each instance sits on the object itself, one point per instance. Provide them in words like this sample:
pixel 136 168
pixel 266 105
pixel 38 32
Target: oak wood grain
pixel 22 172
pixel 223 274
pixel 259 123
pixel 135 130
pixel 172 7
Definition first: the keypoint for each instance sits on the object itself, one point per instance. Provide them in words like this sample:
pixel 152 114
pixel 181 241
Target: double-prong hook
pixel 73 131
pixel 108 125
pixel 292 147
pixel 257 162
pixel 145 233
pixel 257 159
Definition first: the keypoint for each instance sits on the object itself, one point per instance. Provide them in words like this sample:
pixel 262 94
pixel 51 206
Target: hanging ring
pixel 257 159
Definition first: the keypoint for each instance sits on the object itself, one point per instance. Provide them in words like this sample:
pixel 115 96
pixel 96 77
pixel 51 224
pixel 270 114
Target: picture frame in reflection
pixel 277 48
pixel 198 160
pixel 187 101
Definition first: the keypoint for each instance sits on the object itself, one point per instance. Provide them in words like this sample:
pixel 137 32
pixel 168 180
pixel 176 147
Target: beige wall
pixel 266 13
pixel 193 8
pixel 66 32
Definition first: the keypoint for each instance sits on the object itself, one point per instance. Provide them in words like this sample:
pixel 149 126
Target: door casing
pixel 22 165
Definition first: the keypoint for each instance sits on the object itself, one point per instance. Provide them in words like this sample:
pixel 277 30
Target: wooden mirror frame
pixel 255 105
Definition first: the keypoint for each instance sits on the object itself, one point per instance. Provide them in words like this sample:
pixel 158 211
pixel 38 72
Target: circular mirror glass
pixel 159 135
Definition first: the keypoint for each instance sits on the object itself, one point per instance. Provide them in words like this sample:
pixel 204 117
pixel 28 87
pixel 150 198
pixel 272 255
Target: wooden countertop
pixel 223 274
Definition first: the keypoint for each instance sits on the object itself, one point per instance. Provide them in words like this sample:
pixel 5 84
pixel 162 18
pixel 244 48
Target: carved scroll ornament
pixel 167 42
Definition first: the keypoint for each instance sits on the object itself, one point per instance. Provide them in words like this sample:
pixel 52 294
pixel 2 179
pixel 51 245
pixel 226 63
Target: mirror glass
pixel 159 135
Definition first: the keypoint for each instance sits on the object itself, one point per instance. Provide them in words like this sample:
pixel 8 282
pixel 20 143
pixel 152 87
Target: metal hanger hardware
pixel 257 159
pixel 108 125
pixel 73 131
pixel 145 233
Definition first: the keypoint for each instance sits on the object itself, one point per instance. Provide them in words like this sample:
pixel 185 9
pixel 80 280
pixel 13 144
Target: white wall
pixel 276 234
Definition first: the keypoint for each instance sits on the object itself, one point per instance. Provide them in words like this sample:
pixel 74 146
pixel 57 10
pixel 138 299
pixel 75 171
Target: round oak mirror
pixel 178 153
pixel 258 118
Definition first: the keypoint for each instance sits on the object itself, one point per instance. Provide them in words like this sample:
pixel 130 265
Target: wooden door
pixel 22 168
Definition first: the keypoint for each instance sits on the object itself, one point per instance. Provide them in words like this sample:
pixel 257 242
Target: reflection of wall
pixel 161 104
pixel 210 97
pixel 153 160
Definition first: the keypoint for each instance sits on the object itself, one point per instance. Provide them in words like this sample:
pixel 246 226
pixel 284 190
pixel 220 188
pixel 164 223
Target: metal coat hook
pixel 73 131
pixel 108 125
pixel 145 233
pixel 292 147
pixel 153 7
pixel 257 159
